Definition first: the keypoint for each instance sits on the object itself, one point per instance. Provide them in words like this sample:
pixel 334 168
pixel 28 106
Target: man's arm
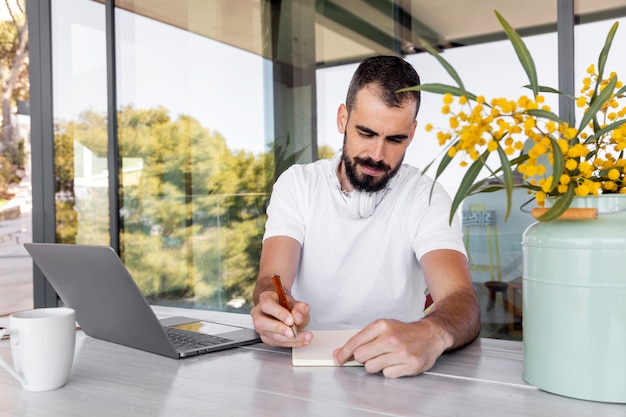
pixel 280 255
pixel 400 349
pixel 456 310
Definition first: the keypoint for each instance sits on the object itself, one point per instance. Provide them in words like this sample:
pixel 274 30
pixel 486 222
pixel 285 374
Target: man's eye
pixel 366 134
pixel 395 140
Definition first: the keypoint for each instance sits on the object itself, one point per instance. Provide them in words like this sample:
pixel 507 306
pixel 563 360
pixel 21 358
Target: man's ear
pixel 342 119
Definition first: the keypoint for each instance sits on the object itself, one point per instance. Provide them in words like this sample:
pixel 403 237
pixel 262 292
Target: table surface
pixel 482 379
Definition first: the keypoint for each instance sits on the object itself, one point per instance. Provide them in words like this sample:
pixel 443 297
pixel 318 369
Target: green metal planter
pixel 574 303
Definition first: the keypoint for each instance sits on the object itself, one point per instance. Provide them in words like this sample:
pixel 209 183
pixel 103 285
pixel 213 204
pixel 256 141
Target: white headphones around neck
pixel 360 204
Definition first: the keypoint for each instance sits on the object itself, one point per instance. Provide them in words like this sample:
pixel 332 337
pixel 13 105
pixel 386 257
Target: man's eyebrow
pixel 369 131
pixel 365 129
pixel 397 137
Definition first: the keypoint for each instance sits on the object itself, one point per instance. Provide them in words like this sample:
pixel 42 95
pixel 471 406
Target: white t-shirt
pixel 357 270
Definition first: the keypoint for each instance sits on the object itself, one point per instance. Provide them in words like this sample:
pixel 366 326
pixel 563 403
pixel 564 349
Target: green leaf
pixel 605 50
pixel 444 63
pixel 546 89
pixel 507 175
pixel 443 152
pixel 466 183
pixel 544 114
pixel 558 163
pixel 522 53
pixel 479 186
pixel 620 91
pixel 597 103
pixel 441 89
pixel 490 188
pixel 560 205
pixel 603 131
pixel 518 160
pixel 445 161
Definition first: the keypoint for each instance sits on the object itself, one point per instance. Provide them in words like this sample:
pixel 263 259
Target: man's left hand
pixel 395 348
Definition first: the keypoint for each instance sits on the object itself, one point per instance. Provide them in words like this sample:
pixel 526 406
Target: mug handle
pixel 6 366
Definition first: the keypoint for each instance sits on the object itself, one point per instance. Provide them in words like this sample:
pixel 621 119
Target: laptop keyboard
pixel 185 340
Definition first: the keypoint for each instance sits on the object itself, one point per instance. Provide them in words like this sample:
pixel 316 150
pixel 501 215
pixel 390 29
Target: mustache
pixel 370 163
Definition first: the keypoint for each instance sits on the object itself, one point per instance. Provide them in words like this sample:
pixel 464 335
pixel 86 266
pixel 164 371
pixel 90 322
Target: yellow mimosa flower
pixel 531 170
pixel 541 169
pixel 540 197
pixel 585 169
pixel 582 190
pixel 571 164
pixel 570 133
pixel 609 186
pixel 546 184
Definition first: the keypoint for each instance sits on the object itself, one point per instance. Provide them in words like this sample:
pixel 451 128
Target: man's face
pixel 359 178
pixel 375 140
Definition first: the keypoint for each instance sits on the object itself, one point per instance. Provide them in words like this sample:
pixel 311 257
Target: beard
pixel 364 182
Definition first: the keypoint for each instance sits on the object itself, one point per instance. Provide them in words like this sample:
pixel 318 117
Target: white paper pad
pixel 320 351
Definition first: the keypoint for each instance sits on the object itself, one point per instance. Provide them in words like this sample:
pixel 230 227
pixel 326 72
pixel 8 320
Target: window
pixel 215 99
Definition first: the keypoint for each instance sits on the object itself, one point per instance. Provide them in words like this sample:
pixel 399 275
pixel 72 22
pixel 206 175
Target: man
pixel 358 239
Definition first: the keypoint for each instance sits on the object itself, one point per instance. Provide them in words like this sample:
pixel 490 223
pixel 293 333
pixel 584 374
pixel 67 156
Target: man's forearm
pixel 458 315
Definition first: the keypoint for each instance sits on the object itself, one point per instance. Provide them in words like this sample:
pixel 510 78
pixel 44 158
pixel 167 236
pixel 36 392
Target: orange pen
pixel 282 298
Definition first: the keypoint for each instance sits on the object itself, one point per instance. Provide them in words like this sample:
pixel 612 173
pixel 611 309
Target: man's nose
pixel 377 150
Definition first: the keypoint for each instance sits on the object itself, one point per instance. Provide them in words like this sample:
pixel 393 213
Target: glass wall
pixel 216 98
pixel 195 167
pixel 80 122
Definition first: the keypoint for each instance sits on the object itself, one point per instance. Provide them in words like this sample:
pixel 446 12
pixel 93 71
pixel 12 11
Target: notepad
pixel 320 351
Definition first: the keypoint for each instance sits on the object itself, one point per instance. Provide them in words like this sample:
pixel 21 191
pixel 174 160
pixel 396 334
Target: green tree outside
pixel 193 211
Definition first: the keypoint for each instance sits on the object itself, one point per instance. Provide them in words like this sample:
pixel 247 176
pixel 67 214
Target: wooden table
pixel 483 379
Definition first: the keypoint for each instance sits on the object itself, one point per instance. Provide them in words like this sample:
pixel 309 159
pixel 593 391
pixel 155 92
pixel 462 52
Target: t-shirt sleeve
pixel 434 230
pixel 287 206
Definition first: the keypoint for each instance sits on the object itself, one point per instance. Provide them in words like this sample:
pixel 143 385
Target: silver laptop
pixel 109 306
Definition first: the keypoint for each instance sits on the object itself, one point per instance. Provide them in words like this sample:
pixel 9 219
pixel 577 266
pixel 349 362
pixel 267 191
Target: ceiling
pixel 347 30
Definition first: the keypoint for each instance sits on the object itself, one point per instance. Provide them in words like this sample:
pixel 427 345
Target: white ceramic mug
pixel 42 346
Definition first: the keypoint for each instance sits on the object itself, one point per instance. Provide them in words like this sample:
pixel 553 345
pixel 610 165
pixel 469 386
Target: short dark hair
pixel 390 73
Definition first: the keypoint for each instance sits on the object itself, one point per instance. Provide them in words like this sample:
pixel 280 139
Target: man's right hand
pixel 273 322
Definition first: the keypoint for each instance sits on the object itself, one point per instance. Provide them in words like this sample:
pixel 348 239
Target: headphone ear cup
pixel 368 204
pixel 361 205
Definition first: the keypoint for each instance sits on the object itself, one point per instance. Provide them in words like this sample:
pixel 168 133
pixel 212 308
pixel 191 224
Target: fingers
pixel 301 314
pixel 361 347
pixel 389 347
pixel 275 339
pixel 274 323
